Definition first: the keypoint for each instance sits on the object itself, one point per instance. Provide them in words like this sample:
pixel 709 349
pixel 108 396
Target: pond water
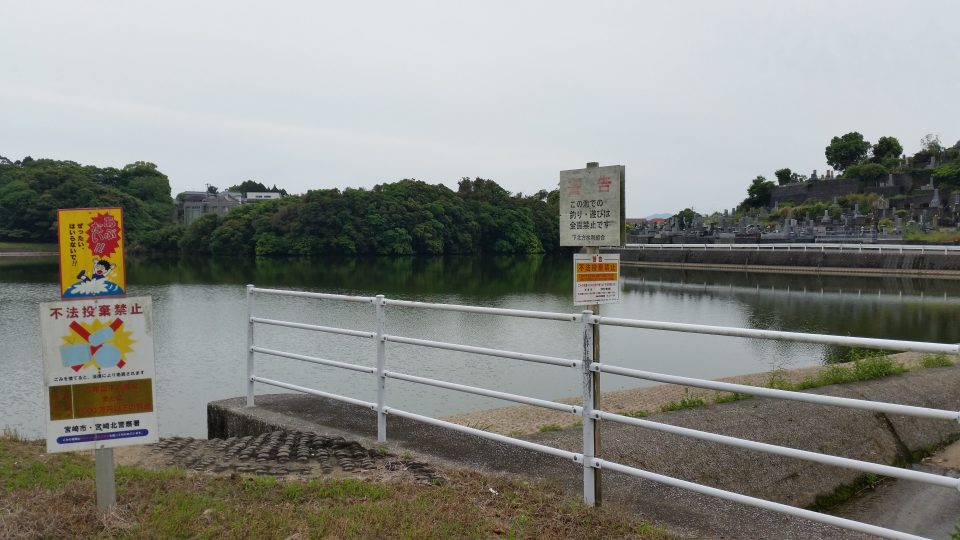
pixel 200 335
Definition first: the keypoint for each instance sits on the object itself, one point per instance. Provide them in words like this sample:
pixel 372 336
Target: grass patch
pixel 730 397
pixel 842 494
pixel 935 236
pixel 928 361
pixel 866 367
pixel 639 413
pixel 546 428
pixel 686 403
pixel 53 496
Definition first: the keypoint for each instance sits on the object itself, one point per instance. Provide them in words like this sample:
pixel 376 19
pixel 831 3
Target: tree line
pixel 407 217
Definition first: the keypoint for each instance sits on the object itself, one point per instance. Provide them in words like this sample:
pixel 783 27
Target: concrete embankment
pixel 850 433
pixel 928 264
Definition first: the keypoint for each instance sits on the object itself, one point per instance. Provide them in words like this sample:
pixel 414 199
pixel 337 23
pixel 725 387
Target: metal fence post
pixel 381 366
pixel 249 346
pixel 589 425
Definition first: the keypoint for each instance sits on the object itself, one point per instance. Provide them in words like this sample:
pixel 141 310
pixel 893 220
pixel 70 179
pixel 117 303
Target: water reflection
pixel 200 331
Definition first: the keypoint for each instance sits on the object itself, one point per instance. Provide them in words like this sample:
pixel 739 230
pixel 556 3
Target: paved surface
pixel 846 432
pixel 928 511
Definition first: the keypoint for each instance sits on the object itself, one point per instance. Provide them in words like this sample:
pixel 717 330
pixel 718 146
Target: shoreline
pixel 520 420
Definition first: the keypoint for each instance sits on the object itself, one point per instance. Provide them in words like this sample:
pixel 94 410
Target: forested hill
pixel 31 191
pixel 401 218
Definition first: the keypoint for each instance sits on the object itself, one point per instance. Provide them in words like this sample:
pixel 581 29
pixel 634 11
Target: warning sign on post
pixel 98 373
pixel 596 279
pixel 91 253
pixel 591 206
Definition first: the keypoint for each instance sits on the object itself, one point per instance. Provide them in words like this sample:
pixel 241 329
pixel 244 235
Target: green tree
pixel 686 216
pixel 758 193
pixel 866 172
pixel 846 150
pixel 887 147
pixel 947 176
pixel 784 176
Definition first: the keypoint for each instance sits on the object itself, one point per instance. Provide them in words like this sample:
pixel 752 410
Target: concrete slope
pixel 845 432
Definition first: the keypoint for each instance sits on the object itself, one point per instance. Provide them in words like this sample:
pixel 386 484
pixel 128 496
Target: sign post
pixel 592 212
pixel 98 365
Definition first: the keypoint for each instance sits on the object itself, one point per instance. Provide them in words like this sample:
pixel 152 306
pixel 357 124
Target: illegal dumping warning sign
pixel 596 279
pixel 98 373
pixel 91 253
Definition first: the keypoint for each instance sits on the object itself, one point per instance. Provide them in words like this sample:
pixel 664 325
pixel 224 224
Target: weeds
pixel 727 397
pixel 546 428
pixel 928 361
pixel 686 403
pixel 56 502
pixel 639 413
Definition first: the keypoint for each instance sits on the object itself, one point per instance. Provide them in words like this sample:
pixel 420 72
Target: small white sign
pixel 596 279
pixel 591 206
pixel 98 373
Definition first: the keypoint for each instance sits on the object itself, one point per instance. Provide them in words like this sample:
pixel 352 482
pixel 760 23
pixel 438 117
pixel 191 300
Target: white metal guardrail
pixel 822 247
pixel 587 369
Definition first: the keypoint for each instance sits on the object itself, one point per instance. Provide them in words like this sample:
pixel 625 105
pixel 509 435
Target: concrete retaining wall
pixel 911 263
pixel 849 433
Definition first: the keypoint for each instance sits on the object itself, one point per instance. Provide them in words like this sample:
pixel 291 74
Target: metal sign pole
pixel 106 479
pixel 597 491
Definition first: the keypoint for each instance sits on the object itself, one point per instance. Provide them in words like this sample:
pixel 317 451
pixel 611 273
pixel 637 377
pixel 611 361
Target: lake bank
pixel 526 419
pixel 849 262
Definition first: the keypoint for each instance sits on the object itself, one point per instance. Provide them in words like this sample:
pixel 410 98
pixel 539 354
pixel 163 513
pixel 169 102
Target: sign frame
pixel 592 206
pixel 99 375
pixel 73 226
pixel 592 292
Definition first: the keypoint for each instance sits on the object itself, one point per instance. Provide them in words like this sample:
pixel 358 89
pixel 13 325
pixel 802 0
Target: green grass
pixel 867 366
pixel 728 397
pixel 935 236
pixel 686 403
pixel 928 361
pixel 639 413
pixel 546 428
pixel 53 496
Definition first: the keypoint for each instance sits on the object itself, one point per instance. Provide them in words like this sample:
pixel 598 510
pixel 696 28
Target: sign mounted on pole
pixel 91 253
pixel 592 206
pixel 596 279
pixel 98 373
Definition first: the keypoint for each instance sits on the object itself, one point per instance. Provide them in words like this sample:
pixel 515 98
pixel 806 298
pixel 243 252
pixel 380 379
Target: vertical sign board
pixel 91 253
pixel 591 206
pixel 98 373
pixel 596 279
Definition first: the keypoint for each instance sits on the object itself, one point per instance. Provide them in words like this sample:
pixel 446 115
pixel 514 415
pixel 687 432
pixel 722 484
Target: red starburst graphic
pixel 103 236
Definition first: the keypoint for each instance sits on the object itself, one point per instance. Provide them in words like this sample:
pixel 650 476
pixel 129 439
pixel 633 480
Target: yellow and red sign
pixel 91 253
pixel 596 279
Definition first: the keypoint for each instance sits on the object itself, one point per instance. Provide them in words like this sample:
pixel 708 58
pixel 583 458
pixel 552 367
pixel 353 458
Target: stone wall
pixel 822 190
pixel 783 260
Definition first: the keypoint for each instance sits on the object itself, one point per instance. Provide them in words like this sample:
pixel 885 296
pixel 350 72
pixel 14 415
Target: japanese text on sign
pixel 591 206
pixel 596 279
pixel 98 373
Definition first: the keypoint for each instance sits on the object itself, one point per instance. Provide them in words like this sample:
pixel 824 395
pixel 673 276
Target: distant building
pixel 260 196
pixel 192 205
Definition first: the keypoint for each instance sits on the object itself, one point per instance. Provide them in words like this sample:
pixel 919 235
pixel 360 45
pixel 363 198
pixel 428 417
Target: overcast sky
pixel 695 98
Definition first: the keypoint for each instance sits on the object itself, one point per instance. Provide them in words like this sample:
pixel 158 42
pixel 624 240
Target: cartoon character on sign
pixel 96 284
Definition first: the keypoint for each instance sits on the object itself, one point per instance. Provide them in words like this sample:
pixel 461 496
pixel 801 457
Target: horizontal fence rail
pixel 787 246
pixel 589 369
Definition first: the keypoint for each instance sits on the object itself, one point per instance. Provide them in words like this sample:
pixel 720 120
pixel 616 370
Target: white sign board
pixel 596 279
pixel 591 206
pixel 98 373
